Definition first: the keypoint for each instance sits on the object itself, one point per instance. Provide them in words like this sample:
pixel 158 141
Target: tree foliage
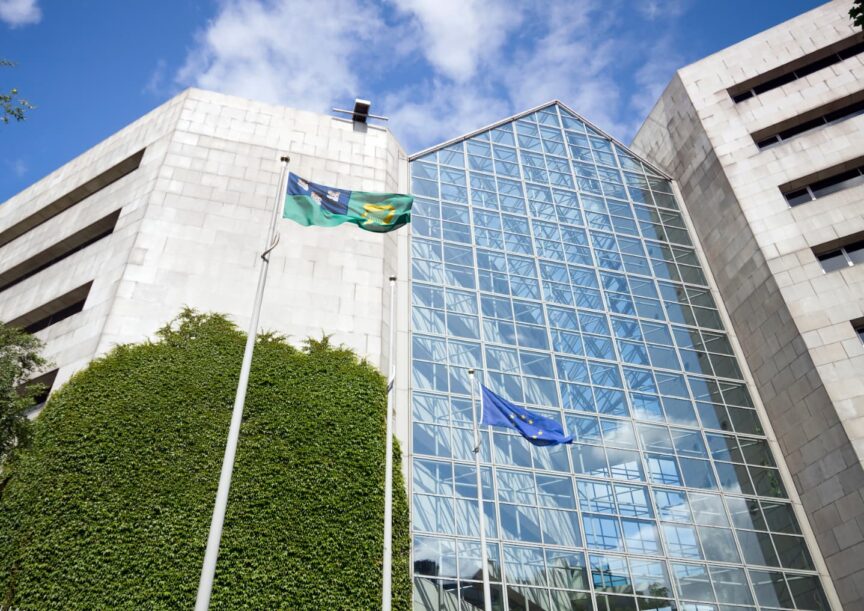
pixel 110 507
pixel 857 13
pixel 12 106
pixel 19 360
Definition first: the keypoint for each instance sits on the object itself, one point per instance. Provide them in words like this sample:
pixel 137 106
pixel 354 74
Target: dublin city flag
pixel 309 203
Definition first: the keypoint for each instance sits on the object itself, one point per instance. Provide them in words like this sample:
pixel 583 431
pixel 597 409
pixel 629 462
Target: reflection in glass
pixel 567 569
pixel 771 589
pixel 610 573
pixel 524 565
pixel 559 266
pixel 650 578
pixel 520 523
pixel 693 581
pixel 434 556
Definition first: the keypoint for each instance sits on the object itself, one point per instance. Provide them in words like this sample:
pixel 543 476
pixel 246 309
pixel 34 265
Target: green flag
pixel 309 203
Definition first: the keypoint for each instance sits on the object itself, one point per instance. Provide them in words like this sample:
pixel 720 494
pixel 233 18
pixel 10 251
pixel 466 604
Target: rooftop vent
pixel 361 113
pixel 361 110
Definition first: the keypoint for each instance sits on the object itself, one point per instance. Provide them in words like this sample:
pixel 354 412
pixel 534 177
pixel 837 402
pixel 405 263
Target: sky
pixel 436 68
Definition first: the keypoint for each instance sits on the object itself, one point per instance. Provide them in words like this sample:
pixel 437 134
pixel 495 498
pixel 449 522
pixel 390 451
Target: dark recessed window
pixel 855 252
pixel 844 180
pixel 770 136
pixel 59 308
pixel 859 329
pixel 834 260
pixel 820 188
pixel 796 198
pixel 67 247
pixel 95 184
pixel 47 382
pixel 841 257
pixel 783 75
pixel 56 317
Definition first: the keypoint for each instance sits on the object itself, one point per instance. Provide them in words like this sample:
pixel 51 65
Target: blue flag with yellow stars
pixel 539 430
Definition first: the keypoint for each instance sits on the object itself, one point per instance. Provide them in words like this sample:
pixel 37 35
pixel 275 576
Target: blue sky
pixel 437 68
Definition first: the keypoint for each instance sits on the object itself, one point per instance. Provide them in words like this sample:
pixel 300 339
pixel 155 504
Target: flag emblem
pixel 537 429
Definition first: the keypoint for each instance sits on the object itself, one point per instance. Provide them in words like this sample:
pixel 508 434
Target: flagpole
pixel 387 572
pixel 208 569
pixel 484 555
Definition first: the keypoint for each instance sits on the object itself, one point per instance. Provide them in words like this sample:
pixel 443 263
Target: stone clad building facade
pixel 172 211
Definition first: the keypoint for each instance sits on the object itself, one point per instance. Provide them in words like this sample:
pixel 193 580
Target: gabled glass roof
pixel 572 123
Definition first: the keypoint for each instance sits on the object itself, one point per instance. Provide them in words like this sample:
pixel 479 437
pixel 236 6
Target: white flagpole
pixel 387 572
pixel 484 555
pixel 208 569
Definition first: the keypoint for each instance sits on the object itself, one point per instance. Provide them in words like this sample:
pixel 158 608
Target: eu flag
pixel 539 430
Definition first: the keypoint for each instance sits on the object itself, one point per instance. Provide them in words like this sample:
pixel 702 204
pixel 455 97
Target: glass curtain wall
pixel 558 265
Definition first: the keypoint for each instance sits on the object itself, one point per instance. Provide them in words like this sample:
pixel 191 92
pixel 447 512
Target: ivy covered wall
pixel 110 507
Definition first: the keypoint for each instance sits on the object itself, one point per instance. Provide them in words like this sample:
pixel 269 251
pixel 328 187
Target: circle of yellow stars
pixel 528 420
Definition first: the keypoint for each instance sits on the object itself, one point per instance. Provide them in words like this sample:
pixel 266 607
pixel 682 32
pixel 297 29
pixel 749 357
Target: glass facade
pixel 559 266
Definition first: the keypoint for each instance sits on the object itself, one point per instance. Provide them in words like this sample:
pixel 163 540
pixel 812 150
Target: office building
pixel 766 141
pixel 644 297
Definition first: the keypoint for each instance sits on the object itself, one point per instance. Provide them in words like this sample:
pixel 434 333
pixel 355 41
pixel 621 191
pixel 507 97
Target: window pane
pixel 434 556
pixel 633 501
pixel 625 464
pixel 590 460
pixel 433 477
pixel 663 470
pixel 780 517
pixel 596 496
pixel 610 573
pixel 524 565
pixel 560 528
pixel 650 578
pixel 555 492
pixel 731 585
pixel 771 589
pixel 640 536
pixel 672 505
pixel 757 548
pixel 520 523
pixel 693 581
pixel 792 552
pixel 807 591
pixel 602 532
pixel 433 513
pixel 566 569
pixel 718 544
pixel 681 541
pixel 708 509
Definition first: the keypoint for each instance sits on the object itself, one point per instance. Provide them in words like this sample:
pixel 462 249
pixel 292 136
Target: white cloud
pixel 572 59
pixel 440 68
pixel 156 80
pixel 18 166
pixel 458 36
pixel 562 55
pixel 299 53
pixel 665 9
pixel 17 13
pixel 441 111
pixel 654 75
